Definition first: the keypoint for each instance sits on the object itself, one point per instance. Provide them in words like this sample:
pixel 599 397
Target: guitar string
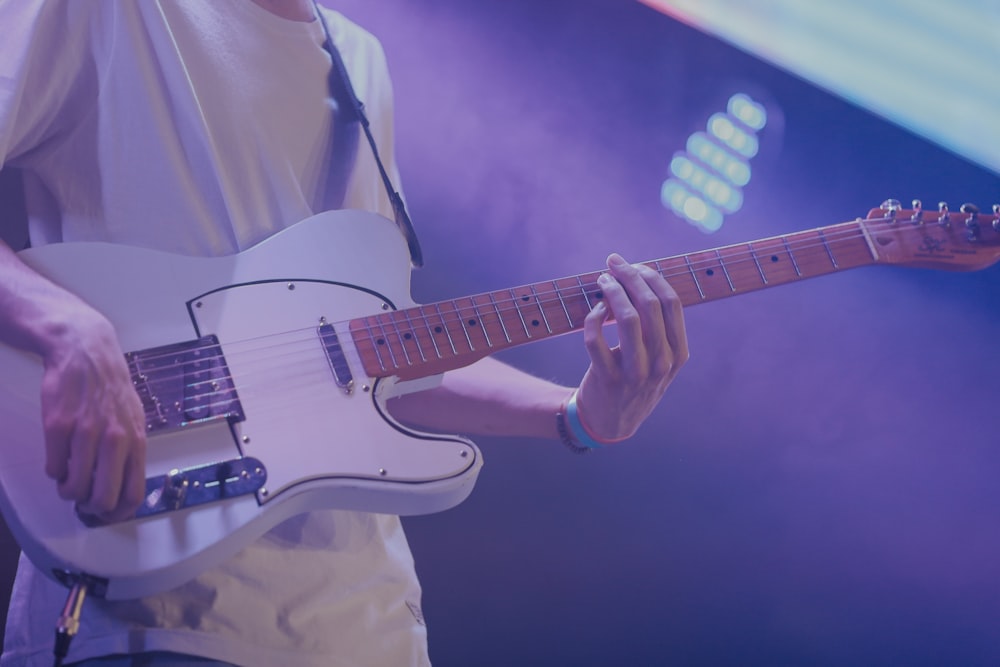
pixel 388 323
pixel 731 260
pixel 541 304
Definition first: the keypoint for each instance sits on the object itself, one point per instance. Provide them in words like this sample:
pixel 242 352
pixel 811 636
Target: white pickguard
pixel 322 447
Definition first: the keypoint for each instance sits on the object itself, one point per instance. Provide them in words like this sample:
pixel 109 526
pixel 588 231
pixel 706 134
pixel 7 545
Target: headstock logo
pixel 932 245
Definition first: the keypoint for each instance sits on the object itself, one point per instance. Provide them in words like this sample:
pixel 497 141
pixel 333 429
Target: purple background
pixel 820 485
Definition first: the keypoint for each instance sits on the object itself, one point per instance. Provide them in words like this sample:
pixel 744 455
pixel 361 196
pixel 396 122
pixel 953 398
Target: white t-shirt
pixel 202 128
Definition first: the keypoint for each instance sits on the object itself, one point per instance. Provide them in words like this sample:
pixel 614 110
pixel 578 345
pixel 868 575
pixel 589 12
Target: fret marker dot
pixel 534 323
pixel 407 335
pixel 438 329
pixel 472 323
pixel 710 272
pixel 598 295
pixel 380 341
pixel 774 258
pixel 525 297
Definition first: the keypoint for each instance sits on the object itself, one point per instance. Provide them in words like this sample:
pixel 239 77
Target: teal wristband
pixel 577 431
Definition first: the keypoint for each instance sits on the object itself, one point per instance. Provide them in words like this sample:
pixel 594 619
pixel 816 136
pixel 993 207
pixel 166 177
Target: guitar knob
pixel 996 217
pixel 175 487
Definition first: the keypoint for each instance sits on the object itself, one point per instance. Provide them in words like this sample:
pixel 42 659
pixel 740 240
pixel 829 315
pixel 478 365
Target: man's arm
pixel 92 417
pixel 617 393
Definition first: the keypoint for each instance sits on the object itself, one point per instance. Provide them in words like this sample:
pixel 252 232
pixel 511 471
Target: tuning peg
pixel 944 218
pixel 918 212
pixel 996 217
pixel 890 206
pixel 971 222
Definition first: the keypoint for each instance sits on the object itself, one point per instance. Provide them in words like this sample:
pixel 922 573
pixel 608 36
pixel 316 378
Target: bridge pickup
pixel 184 384
pixel 335 355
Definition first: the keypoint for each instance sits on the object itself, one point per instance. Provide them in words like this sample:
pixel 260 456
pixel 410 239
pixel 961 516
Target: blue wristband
pixel 576 429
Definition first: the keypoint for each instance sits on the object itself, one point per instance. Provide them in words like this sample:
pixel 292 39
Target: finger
pixel 58 432
pixel 672 312
pixel 643 336
pixel 77 483
pixel 636 281
pixel 134 484
pixel 593 339
pixel 133 488
pixel 620 308
pixel 108 473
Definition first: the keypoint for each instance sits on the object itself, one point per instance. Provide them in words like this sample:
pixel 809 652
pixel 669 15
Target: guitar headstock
pixel 963 240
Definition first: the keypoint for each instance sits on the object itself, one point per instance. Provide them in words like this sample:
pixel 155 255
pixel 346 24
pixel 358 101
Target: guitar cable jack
pixel 69 621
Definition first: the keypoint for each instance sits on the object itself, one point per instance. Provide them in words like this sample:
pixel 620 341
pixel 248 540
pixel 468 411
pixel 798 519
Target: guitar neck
pixel 423 340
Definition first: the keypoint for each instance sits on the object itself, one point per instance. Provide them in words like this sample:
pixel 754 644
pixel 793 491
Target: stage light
pixel 876 55
pixel 707 179
pixel 747 111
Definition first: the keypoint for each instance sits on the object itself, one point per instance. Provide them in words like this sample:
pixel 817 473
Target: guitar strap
pixel 350 112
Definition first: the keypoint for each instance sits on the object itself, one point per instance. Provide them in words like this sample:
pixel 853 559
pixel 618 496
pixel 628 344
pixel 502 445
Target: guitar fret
pixel 701 292
pixel 461 323
pixel 756 261
pixel 788 249
pixel 520 315
pixel 714 274
pixel 562 301
pixel 413 333
pixel 384 340
pixel 430 332
pixel 399 335
pixel 503 327
pixel 659 269
pixel 375 346
pixel 586 296
pixel 482 325
pixel 725 271
pixel 541 309
pixel 822 238
pixel 444 325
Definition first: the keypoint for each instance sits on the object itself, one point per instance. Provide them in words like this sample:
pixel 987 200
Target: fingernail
pixel 604 279
pixel 614 259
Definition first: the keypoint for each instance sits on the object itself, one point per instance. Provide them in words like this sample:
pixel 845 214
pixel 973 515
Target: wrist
pixel 36 315
pixel 57 325
pixel 574 432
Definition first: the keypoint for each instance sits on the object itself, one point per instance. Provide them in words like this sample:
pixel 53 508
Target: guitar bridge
pixel 194 486
pixel 184 384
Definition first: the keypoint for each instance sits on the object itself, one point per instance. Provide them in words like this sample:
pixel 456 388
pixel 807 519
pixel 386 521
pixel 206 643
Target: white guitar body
pixel 322 444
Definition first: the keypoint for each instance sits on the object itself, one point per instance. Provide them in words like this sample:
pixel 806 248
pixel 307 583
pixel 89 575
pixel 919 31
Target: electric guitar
pixel 264 375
